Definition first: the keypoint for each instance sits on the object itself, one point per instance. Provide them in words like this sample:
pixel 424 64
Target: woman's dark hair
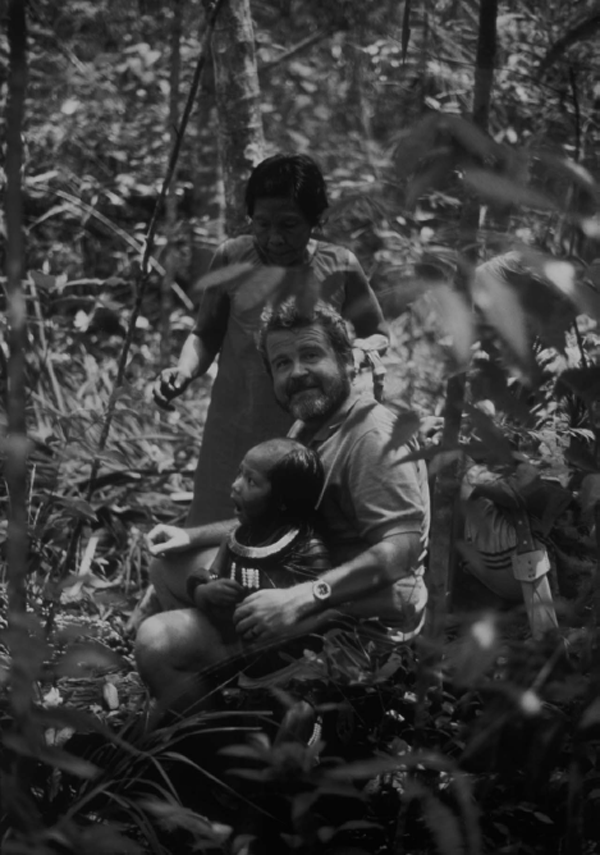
pixel 297 479
pixel 289 176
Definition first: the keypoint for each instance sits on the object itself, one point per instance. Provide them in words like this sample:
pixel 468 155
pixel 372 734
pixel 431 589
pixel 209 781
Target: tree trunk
pixel 171 212
pixel 447 483
pixel 15 784
pixel 16 452
pixel 241 141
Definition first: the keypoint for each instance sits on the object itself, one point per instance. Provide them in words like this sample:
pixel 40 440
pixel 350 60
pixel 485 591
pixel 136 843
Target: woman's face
pixel 281 230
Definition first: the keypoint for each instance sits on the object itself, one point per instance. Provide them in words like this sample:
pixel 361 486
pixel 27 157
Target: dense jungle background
pixel 450 133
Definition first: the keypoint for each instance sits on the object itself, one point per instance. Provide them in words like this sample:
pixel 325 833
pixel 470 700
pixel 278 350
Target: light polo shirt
pixel 370 492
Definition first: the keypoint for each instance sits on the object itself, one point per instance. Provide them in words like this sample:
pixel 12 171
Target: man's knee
pixel 169 575
pixel 154 645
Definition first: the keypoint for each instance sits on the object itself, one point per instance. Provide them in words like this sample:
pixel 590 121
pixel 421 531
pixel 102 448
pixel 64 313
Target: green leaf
pixel 78 508
pixel 584 382
pixel 542 817
pixel 505 191
pixel 405 427
pixel 560 166
pixel 223 276
pixel 54 757
pixel 43 281
pixel 80 659
pixel 492 437
pixel 456 318
pixel 502 309
pixel 434 175
pixel 590 492
pixel 414 144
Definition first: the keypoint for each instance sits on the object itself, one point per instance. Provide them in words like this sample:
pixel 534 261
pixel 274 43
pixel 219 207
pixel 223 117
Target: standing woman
pixel 285 200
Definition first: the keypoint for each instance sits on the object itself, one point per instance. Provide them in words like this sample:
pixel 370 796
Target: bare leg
pixel 148 605
pixel 172 648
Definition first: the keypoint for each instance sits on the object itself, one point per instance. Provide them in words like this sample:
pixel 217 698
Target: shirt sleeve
pixel 360 305
pixel 213 311
pixel 389 496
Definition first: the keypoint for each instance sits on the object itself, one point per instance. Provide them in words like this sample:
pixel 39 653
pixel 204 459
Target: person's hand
pixel 375 344
pixel 165 539
pixel 170 383
pixel 269 612
pixel 218 594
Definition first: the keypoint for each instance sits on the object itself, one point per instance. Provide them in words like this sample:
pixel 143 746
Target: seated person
pixel 275 495
pixel 375 512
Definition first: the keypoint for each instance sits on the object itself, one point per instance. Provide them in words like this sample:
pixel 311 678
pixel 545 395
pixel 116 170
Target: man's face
pixel 308 379
pixel 281 230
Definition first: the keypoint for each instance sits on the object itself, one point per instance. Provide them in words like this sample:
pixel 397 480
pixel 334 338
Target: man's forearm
pixel 374 569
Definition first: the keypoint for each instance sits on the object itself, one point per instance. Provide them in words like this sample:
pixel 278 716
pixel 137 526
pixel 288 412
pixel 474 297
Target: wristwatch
pixel 321 591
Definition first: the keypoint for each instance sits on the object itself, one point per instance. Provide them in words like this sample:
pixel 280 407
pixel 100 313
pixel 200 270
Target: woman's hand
pixel 218 594
pixel 165 539
pixel 170 383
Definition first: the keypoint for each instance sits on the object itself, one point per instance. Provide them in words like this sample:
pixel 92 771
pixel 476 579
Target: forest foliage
pixel 501 755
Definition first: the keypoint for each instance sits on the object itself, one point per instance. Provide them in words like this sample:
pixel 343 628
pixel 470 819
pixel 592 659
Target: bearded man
pixel 374 510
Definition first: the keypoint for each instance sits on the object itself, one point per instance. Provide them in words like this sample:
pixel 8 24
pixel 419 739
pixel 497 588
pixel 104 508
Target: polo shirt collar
pixel 298 429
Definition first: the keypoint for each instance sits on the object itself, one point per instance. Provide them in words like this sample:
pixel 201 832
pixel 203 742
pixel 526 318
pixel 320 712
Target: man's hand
pixel 272 611
pixel 219 594
pixel 165 539
pixel 170 383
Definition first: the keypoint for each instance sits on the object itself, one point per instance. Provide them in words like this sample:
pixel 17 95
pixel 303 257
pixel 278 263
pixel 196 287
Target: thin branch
pixel 583 31
pixel 150 237
pixel 171 214
pixel 309 41
pixel 131 241
pixel 575 96
pixel 47 356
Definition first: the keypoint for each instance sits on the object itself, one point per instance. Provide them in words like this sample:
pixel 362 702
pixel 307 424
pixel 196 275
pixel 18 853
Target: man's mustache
pixel 294 386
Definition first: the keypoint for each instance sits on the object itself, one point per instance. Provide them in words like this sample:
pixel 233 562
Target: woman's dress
pixel 243 411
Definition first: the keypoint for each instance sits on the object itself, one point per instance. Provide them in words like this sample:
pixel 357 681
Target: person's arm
pixel 387 501
pixel 211 590
pixel 378 567
pixel 165 540
pixel 202 344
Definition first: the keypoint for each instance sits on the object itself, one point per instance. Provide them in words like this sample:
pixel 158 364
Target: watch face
pixel 322 590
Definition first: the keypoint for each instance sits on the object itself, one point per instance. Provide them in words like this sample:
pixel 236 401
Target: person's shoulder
pixel 337 255
pixel 370 417
pixel 369 412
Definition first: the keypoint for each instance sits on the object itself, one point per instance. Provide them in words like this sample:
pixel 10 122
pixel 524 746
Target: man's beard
pixel 319 402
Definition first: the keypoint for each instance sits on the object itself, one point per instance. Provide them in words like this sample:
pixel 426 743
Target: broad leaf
pixel 54 757
pixel 584 382
pixel 456 318
pixel 501 307
pixel 590 492
pixel 502 190
pixel 490 435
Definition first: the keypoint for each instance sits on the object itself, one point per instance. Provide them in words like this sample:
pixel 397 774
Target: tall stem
pixel 447 483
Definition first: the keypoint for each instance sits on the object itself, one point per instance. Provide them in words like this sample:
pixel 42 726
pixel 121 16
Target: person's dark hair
pixel 289 176
pixel 290 315
pixel 296 481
